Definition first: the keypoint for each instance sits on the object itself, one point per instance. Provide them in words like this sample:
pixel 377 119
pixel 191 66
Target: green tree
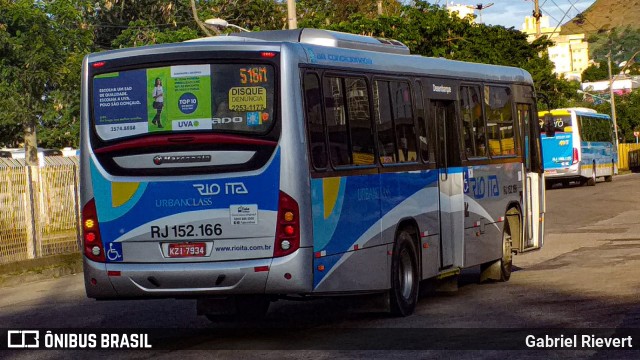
pixel 599 71
pixel 41 44
pixel 322 13
pixel 622 43
pixel 121 23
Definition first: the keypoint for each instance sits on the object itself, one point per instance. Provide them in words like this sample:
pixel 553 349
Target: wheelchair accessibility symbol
pixel 115 252
pixel 465 180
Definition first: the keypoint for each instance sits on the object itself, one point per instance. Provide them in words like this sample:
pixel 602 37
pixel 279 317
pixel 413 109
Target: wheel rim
pixel 506 251
pixel 406 274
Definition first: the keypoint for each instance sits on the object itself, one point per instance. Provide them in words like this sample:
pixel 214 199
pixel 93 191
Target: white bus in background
pixel 42 153
pixel 69 151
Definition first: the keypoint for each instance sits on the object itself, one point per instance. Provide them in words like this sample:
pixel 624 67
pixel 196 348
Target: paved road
pixel 586 276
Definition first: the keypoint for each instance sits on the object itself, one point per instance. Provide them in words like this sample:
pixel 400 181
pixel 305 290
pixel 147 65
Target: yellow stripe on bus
pixel 121 192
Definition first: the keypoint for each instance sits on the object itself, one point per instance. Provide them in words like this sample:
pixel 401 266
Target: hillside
pixel 604 15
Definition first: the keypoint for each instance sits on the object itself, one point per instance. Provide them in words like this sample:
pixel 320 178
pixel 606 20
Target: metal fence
pixel 39 208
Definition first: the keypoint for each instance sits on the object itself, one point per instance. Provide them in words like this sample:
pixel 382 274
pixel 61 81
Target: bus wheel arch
pixel 405 270
pixel 500 269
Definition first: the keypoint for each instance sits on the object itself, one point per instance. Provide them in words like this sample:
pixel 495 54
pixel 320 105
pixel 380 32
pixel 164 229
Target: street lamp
pixel 221 23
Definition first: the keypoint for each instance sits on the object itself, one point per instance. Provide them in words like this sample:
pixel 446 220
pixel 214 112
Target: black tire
pixel 506 261
pixel 405 279
pixel 500 269
pixel 609 178
pixel 592 180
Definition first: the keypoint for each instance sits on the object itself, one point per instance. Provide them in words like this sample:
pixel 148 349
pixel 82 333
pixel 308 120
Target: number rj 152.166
pixel 188 231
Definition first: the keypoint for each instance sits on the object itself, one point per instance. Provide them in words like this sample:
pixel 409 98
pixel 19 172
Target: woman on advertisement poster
pixel 158 102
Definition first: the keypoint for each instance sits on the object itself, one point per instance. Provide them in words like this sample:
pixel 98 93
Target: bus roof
pixel 329 38
pixel 578 111
pixel 333 49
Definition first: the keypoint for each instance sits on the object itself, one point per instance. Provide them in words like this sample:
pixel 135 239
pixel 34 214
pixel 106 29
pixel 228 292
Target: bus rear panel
pixel 578 145
pixel 181 182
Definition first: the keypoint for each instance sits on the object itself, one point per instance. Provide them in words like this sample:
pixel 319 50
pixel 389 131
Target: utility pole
pixel 379 7
pixel 291 14
pixel 537 15
pixel 613 98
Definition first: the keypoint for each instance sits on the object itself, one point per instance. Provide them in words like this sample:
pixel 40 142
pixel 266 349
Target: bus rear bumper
pixel 563 173
pixel 291 274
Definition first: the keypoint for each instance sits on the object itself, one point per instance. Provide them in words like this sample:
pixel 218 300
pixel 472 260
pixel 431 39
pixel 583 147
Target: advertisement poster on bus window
pixel 161 99
pixel 119 104
pixel 179 98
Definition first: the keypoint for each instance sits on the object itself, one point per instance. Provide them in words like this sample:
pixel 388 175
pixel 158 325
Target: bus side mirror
pixel 549 127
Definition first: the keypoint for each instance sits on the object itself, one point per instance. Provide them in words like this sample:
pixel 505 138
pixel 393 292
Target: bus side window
pixel 403 121
pixel 500 129
pixel 336 118
pixel 425 144
pixel 382 113
pixel 473 123
pixel 315 126
pixel 359 121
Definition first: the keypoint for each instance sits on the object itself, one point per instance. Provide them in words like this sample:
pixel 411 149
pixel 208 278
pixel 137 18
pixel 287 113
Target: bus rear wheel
pixel 609 178
pixel 592 179
pixel 405 279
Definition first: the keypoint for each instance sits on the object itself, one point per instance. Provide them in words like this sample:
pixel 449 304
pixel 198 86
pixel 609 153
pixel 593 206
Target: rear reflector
pixel 288 227
pixel 92 243
pixel 260 268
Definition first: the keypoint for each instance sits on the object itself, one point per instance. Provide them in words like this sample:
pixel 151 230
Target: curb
pixel 49 267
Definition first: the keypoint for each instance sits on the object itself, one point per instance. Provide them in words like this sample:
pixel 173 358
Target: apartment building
pixel 570 53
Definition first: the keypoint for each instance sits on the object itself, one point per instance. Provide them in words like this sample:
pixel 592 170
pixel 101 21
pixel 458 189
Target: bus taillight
pixel 288 226
pixel 576 157
pixel 92 243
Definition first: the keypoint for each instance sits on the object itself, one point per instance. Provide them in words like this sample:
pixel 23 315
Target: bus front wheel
pixel 500 270
pixel 405 279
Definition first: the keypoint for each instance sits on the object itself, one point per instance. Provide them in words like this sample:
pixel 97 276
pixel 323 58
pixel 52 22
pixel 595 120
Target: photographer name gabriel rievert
pixel 578 341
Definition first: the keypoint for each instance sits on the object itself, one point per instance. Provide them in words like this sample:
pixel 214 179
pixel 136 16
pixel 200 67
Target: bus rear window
pixel 236 98
pixel 560 123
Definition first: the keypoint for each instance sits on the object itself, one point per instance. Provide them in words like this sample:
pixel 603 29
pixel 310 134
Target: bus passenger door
pixel 450 188
pixel 533 194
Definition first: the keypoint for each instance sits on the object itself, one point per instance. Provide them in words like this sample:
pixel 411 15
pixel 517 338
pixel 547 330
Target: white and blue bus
pixel 300 163
pixel 578 145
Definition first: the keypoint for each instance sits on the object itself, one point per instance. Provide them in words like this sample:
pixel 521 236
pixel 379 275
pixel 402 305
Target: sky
pixel 511 13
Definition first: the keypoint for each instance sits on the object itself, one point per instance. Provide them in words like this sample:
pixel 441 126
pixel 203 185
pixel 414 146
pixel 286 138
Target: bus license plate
pixel 187 250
